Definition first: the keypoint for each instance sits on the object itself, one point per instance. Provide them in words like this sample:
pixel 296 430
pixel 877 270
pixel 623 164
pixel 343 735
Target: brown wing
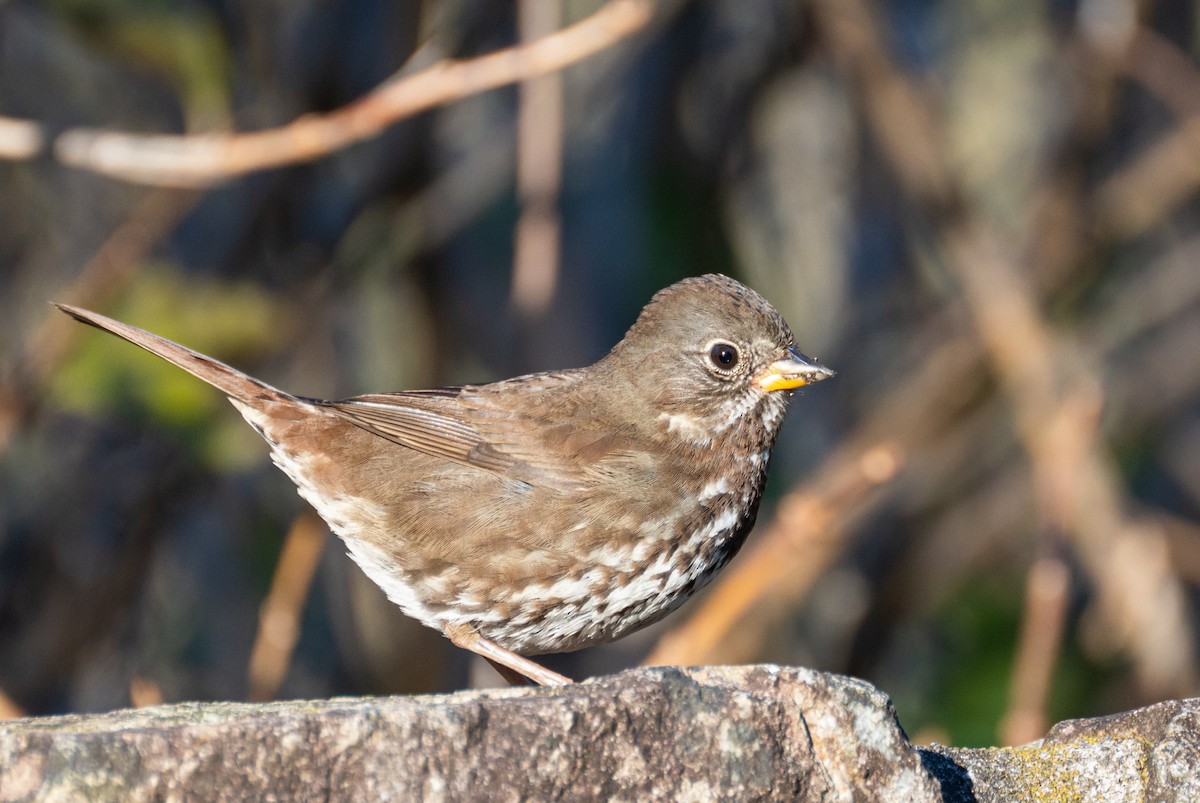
pixel 554 424
pixel 525 431
pixel 428 421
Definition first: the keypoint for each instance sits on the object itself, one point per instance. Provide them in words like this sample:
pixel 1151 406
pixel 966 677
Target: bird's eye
pixel 724 356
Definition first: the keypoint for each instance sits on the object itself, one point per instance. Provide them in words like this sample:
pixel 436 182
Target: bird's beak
pixel 793 371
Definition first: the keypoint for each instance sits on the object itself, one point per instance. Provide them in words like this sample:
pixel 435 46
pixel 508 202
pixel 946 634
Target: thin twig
pixel 539 172
pixel 1166 174
pixel 203 159
pixel 279 617
pixel 144 692
pixel 1045 616
pixel 9 708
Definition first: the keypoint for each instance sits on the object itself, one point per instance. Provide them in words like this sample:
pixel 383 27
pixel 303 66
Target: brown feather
pixel 229 380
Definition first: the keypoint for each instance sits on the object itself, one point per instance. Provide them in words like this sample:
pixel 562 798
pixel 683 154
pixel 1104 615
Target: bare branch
pixel 204 159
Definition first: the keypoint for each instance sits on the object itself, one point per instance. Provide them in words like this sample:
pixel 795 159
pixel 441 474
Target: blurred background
pixel 982 214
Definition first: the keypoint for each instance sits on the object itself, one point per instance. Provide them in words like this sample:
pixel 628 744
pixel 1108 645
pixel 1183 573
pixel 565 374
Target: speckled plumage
pixel 551 511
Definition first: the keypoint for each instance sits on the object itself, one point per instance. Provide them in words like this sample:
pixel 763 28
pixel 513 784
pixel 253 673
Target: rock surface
pixel 734 733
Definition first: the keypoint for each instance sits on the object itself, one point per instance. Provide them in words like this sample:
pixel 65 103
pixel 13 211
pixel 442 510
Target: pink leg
pixel 502 659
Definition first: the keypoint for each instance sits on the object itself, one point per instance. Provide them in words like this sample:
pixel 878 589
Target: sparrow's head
pixel 708 351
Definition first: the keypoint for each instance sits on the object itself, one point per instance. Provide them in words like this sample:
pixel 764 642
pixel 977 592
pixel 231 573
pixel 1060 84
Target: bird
pixel 551 511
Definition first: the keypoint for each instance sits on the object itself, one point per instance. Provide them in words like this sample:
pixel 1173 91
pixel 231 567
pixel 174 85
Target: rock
pixel 1150 754
pixel 737 733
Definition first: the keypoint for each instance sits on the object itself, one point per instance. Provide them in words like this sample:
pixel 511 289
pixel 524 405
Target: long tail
pixel 230 381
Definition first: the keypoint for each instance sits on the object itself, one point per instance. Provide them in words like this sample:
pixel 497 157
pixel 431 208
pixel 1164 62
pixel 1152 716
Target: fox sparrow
pixel 551 511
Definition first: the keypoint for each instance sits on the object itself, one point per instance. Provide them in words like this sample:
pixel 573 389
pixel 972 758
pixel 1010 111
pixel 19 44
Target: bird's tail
pixel 230 381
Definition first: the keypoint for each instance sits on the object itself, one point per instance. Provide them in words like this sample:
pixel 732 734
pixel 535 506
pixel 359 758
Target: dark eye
pixel 723 356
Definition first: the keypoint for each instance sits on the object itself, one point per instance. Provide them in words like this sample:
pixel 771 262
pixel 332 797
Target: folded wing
pixel 473 427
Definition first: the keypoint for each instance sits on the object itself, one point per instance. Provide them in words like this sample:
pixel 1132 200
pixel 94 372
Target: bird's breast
pixel 631 580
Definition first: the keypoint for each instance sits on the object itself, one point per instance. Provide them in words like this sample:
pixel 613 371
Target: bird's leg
pixel 511 677
pixel 466 638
